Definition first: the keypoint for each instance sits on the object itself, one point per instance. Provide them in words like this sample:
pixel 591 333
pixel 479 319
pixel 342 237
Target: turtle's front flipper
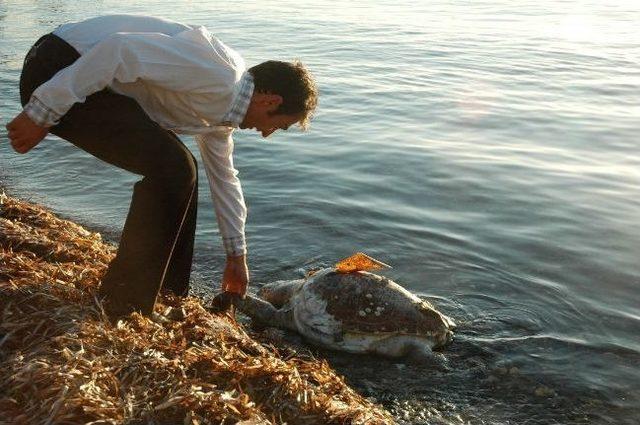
pixel 265 313
pixel 222 302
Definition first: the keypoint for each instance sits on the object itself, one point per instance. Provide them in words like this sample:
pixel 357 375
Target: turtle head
pixel 278 293
pixel 442 326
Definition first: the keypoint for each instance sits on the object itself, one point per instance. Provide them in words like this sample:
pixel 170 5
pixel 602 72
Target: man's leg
pixel 157 239
pixel 163 207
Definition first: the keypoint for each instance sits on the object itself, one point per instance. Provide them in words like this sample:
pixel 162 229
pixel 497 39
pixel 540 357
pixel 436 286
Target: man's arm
pixel 160 59
pixel 216 149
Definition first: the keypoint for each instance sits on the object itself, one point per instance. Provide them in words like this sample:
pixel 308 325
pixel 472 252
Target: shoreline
pixel 62 361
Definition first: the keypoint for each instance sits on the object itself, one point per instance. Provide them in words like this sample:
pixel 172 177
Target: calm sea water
pixel 488 150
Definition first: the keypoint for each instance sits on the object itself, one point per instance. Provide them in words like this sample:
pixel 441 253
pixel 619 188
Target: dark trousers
pixel 156 247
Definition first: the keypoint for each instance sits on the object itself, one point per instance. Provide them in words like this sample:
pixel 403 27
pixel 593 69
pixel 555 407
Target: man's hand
pixel 236 275
pixel 24 133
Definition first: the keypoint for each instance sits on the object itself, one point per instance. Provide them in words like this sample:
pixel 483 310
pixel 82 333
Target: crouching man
pixel 120 88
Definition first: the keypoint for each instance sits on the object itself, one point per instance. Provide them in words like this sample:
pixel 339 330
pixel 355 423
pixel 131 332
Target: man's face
pixel 260 115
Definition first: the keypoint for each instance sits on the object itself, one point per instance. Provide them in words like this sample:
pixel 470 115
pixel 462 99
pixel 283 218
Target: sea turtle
pixel 357 312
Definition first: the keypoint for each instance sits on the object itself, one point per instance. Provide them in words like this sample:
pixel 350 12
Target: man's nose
pixel 267 133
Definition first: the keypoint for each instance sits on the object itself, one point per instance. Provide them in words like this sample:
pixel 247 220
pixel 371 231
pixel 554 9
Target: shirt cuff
pixel 235 246
pixel 40 113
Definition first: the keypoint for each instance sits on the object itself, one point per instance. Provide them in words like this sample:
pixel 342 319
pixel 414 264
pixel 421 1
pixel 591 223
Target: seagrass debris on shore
pixel 62 362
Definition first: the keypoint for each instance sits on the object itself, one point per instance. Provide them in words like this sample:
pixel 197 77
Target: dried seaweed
pixel 62 362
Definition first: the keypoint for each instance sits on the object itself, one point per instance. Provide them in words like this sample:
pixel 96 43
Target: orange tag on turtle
pixel 359 262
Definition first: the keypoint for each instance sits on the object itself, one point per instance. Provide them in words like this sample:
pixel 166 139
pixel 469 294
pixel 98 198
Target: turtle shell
pixel 367 303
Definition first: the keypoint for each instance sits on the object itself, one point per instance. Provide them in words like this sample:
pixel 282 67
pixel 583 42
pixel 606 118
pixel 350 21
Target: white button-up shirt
pixel 183 77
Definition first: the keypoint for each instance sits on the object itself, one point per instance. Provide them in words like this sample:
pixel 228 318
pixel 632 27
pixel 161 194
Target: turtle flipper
pixel 222 302
pixel 265 313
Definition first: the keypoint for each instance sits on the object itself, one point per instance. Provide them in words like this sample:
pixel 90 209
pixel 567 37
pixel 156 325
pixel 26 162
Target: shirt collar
pixel 238 110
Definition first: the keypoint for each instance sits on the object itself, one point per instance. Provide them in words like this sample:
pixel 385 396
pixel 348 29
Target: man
pixel 120 87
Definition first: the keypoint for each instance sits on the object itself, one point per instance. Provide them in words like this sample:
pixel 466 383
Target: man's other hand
pixel 236 275
pixel 24 133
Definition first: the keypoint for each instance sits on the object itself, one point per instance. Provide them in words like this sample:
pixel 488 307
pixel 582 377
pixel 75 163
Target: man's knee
pixel 188 169
pixel 181 174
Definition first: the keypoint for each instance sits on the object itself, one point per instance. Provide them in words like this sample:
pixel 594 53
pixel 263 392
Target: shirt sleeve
pixel 40 113
pixel 216 149
pixel 157 59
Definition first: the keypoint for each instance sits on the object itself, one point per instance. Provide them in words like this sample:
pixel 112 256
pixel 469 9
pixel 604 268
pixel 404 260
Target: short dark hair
pixel 293 82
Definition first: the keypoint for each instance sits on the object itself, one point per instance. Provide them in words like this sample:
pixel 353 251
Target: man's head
pixel 284 94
